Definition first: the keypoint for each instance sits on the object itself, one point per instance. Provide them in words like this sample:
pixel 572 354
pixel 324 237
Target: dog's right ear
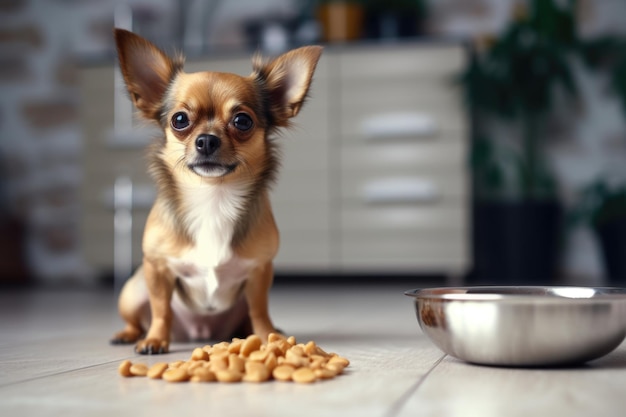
pixel 147 71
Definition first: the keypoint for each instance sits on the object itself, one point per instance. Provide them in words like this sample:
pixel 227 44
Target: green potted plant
pixel 603 206
pixel 517 218
pixel 602 203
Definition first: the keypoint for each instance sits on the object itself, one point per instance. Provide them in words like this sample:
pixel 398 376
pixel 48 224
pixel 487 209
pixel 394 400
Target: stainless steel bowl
pixel 523 326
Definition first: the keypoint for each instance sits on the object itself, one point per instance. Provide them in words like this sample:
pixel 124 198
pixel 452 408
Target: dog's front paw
pixel 152 346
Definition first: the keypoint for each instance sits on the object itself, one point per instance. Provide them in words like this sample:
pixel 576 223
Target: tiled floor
pixel 55 360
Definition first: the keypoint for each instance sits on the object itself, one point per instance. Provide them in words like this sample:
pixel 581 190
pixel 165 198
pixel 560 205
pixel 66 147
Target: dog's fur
pixel 210 237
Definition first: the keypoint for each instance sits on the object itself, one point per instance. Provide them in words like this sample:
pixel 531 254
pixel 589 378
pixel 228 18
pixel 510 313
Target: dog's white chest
pixel 210 275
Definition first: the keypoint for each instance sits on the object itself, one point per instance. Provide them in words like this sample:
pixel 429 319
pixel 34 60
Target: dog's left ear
pixel 286 80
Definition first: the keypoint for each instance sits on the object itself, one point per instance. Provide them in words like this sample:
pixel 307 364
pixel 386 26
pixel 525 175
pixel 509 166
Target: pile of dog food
pixel 247 360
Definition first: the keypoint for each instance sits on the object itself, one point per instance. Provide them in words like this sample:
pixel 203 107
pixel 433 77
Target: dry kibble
pixel 176 375
pixel 218 363
pixel 228 375
pixel 194 365
pixel 156 370
pixel 272 337
pixel 256 372
pixel 339 360
pixel 258 355
pixel 236 363
pixel 325 373
pixel 334 367
pixel 199 354
pixel 176 364
pixel 283 372
pixel 270 362
pixel 293 357
pixel 252 343
pixel 235 346
pixel 203 374
pixel 310 348
pixel 303 375
pixel 124 368
pixel 249 360
pixel 139 369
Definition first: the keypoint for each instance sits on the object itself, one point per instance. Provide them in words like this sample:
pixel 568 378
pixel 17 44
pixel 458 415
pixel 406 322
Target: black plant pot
pixel 392 25
pixel 516 243
pixel 612 238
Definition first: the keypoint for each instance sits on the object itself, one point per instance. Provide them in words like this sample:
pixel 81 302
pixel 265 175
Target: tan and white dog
pixel 210 238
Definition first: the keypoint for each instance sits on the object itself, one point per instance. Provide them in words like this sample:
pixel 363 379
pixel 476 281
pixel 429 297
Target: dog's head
pixel 216 125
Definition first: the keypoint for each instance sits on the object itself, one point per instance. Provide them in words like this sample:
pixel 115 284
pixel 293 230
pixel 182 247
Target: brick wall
pixel 40 137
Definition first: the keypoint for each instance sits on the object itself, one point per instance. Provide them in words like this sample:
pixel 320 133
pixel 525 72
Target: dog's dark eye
pixel 243 122
pixel 180 121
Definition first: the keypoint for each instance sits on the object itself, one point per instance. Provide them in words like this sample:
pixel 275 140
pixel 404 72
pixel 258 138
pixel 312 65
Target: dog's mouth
pixel 212 169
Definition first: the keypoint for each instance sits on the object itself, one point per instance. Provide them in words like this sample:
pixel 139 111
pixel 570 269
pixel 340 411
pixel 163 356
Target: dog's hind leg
pixel 134 308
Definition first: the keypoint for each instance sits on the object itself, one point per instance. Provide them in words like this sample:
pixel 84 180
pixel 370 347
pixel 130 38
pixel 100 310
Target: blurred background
pixel 472 141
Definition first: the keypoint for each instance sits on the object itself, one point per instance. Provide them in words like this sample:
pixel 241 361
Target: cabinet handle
pixel 398 124
pixel 400 190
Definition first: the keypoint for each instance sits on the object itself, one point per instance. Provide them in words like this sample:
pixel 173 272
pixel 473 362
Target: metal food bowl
pixel 523 326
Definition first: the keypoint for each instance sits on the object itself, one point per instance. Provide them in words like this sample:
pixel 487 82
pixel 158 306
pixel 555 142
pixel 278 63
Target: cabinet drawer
pixel 419 218
pixel 398 61
pixel 440 154
pixel 399 122
pixel 418 188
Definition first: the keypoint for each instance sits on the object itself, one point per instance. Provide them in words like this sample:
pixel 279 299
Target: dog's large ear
pixel 286 80
pixel 146 70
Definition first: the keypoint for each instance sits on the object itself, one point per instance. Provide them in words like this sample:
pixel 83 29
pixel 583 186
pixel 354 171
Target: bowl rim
pixel 523 293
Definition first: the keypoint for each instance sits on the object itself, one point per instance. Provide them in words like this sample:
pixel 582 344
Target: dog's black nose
pixel 207 144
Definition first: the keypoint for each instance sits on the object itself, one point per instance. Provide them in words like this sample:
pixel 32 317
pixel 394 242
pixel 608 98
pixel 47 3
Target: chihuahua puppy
pixel 210 237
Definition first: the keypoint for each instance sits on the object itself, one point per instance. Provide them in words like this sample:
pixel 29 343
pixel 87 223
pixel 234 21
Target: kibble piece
pixel 272 337
pixel 270 362
pixel 228 375
pixel 236 363
pixel 325 373
pixel 175 364
pixel 293 357
pixel 176 375
pixel 252 343
pixel 283 372
pixel 139 369
pixel 156 370
pixel 334 367
pixel 339 360
pixel 256 372
pixel 199 354
pixel 310 348
pixel 258 355
pixel 193 365
pixel 221 346
pixel 303 375
pixel 202 374
pixel 235 346
pixel 124 368
pixel 291 340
